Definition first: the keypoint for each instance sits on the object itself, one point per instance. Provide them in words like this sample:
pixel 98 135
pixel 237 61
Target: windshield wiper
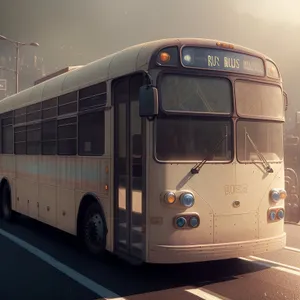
pixel 265 163
pixel 199 165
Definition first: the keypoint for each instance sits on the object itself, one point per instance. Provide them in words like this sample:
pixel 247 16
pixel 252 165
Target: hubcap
pixel 94 230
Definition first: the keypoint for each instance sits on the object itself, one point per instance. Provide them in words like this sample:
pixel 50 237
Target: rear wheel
pixel 94 230
pixel 6 209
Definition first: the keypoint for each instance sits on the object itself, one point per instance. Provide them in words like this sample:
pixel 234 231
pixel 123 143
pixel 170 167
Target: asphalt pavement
pixel 39 262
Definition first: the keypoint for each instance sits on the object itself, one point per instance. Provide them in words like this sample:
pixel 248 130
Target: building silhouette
pixel 31 68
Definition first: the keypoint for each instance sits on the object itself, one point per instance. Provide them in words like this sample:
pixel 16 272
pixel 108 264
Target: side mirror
pixel 148 100
pixel 286 101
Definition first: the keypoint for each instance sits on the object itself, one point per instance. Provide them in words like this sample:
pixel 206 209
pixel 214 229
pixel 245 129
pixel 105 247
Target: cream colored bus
pixel 166 152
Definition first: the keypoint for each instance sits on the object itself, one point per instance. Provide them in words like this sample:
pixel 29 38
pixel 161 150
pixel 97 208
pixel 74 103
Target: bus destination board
pixel 222 60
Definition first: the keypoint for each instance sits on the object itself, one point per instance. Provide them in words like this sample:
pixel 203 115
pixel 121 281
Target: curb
pixel 291 223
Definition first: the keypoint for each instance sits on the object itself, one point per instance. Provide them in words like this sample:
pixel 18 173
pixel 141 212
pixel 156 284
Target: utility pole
pixel 17 45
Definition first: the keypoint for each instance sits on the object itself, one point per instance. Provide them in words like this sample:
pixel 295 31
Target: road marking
pixel 273 265
pixel 292 249
pixel 98 289
pixel 272 262
pixel 204 295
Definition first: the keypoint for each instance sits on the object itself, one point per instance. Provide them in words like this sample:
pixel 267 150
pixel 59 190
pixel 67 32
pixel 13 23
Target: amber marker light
pixel 170 198
pixel 225 45
pixel 164 57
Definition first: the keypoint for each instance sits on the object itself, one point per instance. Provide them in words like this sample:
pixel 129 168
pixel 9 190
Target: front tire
pixel 6 210
pixel 94 230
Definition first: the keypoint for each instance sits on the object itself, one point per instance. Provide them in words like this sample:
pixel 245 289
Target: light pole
pixel 17 45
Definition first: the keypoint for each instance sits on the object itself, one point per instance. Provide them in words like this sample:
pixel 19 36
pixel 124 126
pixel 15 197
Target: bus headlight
pixel 272 215
pixel 275 195
pixel 280 214
pixel 194 222
pixel 187 199
pixel 180 222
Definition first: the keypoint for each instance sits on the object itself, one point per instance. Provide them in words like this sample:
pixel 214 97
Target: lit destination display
pixel 222 60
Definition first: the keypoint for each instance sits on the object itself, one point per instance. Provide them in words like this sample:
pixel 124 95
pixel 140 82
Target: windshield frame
pixel 256 161
pixel 208 118
pixel 194 73
pixel 262 82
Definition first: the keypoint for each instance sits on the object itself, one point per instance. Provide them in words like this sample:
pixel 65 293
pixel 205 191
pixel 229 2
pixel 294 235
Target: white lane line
pixel 204 295
pixel 273 265
pixel 98 289
pixel 292 249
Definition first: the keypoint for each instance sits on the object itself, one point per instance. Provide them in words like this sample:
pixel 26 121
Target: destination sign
pixel 222 60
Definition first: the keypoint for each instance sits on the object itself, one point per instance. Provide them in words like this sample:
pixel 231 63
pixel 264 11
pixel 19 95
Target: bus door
pixel 129 161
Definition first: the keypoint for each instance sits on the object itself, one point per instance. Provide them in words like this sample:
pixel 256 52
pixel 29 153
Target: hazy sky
pixel 75 32
pixel 281 10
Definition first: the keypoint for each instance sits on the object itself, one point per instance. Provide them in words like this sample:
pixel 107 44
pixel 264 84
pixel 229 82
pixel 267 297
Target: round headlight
pixel 187 200
pixel 280 214
pixel 272 215
pixel 180 222
pixel 194 222
pixel 275 195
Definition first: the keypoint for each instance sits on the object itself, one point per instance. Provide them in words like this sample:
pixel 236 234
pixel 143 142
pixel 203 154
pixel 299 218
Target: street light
pixel 18 45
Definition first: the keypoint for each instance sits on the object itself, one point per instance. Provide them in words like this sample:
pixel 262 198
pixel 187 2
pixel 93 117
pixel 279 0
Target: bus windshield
pixel 188 138
pixel 259 100
pixel 267 137
pixel 196 94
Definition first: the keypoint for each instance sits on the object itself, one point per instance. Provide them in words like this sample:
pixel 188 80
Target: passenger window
pixel 67 136
pixel 91 133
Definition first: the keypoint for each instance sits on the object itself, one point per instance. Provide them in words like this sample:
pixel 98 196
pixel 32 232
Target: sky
pixel 278 10
pixel 75 32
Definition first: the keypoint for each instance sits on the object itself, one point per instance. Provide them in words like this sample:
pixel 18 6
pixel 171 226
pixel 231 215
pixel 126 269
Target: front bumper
pixel 170 254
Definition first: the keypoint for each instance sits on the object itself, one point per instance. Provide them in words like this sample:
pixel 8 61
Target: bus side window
pixel 7 133
pixel 136 81
pixel 137 146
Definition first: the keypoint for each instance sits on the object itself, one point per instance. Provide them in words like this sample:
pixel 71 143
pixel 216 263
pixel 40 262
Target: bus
pixel 170 151
pixel 292 171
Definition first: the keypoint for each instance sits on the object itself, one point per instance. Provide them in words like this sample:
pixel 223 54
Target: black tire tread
pixel 5 192
pixel 92 209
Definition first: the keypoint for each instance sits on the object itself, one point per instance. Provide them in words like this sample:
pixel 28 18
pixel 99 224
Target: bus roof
pixel 56 73
pixel 126 61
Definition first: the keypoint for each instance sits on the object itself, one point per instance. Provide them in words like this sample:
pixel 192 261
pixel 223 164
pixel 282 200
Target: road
pixel 39 262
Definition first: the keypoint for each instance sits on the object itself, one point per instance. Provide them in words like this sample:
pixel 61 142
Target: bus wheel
pixel 94 230
pixel 6 203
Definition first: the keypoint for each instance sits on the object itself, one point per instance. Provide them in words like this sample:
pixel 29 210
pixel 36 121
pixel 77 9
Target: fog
pixel 74 32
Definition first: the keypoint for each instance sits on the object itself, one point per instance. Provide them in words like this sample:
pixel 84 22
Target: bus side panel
pixel 47 195
pixel 66 217
pixel 47 204
pixel 50 188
